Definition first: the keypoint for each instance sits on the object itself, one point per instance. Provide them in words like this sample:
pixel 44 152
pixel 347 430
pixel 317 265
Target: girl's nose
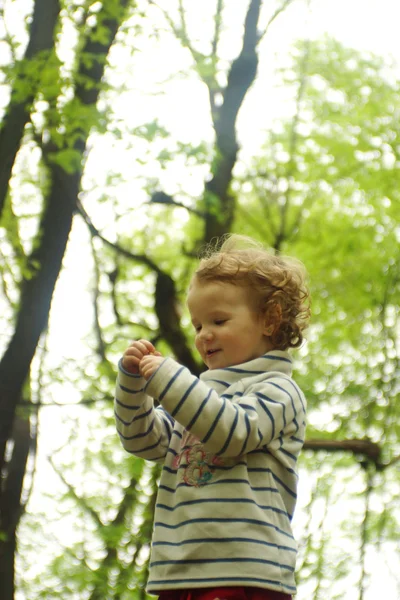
pixel 206 334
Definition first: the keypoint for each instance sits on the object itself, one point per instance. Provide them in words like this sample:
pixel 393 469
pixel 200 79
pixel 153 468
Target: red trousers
pixel 224 593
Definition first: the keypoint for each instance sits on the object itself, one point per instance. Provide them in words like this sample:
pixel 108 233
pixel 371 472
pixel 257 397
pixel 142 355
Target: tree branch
pixel 365 447
pixel 41 39
pixel 45 261
pixel 101 346
pixel 293 141
pixel 218 199
pixel 80 501
pixel 162 198
pixel 119 249
pixel 278 11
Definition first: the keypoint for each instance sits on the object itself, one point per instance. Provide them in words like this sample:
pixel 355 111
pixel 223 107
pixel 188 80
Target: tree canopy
pixel 112 178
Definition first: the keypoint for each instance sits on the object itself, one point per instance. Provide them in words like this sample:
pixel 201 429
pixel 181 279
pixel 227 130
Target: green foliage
pixel 325 189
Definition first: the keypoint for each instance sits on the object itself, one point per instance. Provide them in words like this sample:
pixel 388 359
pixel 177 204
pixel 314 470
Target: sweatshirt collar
pixel 277 361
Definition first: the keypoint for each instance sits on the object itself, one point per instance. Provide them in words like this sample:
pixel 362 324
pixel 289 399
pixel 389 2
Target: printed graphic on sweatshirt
pixel 199 463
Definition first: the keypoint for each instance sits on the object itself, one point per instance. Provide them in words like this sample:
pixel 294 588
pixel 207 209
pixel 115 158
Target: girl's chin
pixel 215 360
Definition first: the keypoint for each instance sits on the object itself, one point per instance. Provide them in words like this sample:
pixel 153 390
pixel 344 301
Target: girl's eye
pixel 220 321
pixel 197 328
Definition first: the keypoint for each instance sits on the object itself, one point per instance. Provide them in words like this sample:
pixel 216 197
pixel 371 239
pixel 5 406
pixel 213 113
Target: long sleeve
pixel 230 467
pixel 143 429
pixel 270 409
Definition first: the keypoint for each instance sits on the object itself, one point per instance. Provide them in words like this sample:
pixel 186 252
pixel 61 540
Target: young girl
pixel 229 440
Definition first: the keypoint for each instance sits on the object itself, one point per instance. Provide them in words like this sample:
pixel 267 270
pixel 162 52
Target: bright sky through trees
pixel 150 86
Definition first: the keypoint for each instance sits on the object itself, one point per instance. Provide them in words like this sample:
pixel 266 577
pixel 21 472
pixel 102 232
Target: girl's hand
pixel 134 354
pixel 149 364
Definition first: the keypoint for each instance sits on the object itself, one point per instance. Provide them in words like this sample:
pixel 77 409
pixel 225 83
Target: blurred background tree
pixel 107 193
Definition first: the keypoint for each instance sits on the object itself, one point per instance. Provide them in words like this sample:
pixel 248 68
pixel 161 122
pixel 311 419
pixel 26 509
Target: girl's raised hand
pixel 134 354
pixel 149 364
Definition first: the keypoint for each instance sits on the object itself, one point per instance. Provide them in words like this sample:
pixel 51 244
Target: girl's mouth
pixel 211 352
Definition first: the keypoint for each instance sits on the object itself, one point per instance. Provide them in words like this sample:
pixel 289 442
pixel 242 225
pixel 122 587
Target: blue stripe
pixel 222 520
pixel 296 439
pixel 126 423
pixel 248 371
pixel 202 561
pixel 147 447
pixel 155 458
pixel 224 383
pixel 158 582
pixel 232 429
pixel 264 397
pixel 268 470
pixel 289 454
pixel 128 406
pixel 293 472
pixel 165 415
pixel 260 436
pixel 172 451
pixel 230 396
pixel 170 382
pixel 221 500
pixel 247 406
pixel 167 489
pixel 225 540
pixel 298 393
pixel 273 357
pixel 167 426
pixel 139 435
pixel 215 467
pixel 248 429
pixel 198 412
pixel 285 487
pixel 177 433
pixel 287 393
pixel 186 394
pixel 223 481
pixel 143 415
pixel 266 409
pixel 129 391
pixel 210 431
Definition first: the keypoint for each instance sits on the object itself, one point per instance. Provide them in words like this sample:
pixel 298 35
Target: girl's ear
pixel 272 319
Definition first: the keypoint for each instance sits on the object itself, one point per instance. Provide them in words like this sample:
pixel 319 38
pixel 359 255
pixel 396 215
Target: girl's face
pixel 229 331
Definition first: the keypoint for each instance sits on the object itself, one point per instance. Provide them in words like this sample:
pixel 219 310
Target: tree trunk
pixel 11 507
pixel 44 266
pixel 44 20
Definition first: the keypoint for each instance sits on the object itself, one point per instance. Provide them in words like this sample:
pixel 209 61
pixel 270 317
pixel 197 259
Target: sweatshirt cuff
pixel 130 380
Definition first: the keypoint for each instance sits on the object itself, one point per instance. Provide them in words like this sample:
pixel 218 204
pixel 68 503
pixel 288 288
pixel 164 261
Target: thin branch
pixel 365 447
pixel 80 501
pixel 197 56
pixel 255 223
pixel 35 406
pixel 101 346
pixel 4 284
pixel 113 276
pixel 320 562
pixel 95 233
pixel 278 11
pixel 292 148
pixel 54 404
pixel 217 29
pixel 180 32
pixel 364 534
pixel 389 464
pixel 162 198
pixel 144 534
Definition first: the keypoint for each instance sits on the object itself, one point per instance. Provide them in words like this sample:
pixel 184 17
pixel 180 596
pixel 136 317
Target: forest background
pixel 131 134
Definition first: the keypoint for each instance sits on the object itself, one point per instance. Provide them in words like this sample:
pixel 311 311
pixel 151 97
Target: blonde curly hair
pixel 279 283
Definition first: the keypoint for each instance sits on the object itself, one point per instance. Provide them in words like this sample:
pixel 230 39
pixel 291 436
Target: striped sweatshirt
pixel 228 442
